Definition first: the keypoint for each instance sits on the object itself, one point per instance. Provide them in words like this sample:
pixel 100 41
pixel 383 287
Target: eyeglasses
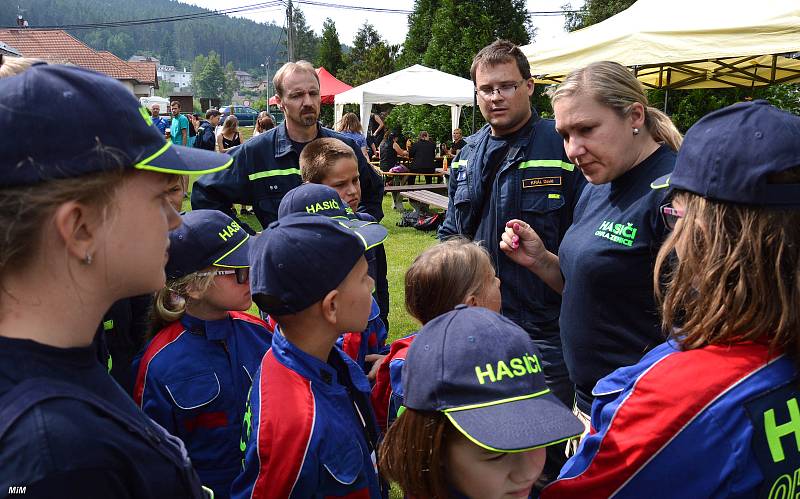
pixel 670 216
pixel 505 90
pixel 242 274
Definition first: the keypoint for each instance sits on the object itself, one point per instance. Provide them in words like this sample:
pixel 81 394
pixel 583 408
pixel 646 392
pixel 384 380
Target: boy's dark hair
pixel 500 52
pixel 211 113
pixel 319 155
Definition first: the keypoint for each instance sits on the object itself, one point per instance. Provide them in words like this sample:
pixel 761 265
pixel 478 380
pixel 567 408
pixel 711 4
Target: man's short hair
pixel 423 135
pixel 500 52
pixel 457 130
pixel 287 69
pixel 211 113
pixel 175 103
pixel 155 105
pixel 319 155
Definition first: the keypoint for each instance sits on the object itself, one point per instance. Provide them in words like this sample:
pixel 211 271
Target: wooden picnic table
pixel 427 197
pixel 414 187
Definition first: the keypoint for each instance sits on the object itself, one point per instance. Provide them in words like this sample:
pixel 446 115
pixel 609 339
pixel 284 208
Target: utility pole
pixel 266 68
pixel 289 32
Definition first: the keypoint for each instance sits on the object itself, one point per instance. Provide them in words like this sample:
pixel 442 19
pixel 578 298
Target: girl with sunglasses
pixel 196 371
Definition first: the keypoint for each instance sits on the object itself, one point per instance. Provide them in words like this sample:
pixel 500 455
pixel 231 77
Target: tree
pixel 231 83
pixel 330 49
pixel 593 12
pixel 305 41
pixel 211 80
pixel 121 45
pixel 420 22
pixel 370 58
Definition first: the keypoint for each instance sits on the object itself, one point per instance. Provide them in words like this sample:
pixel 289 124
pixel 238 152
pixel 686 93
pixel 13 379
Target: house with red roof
pixel 59 47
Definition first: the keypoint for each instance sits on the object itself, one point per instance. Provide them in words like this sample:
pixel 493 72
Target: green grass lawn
pixel 402 246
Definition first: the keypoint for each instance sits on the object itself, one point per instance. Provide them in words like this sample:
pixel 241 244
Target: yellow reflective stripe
pixel 501 401
pixel 554 196
pixel 547 163
pixel 458 164
pixel 274 173
pixel 660 186
pixel 143 165
pixel 108 325
pixel 217 264
pixel 502 451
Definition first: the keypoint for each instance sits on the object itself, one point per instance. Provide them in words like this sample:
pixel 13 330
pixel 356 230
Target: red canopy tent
pixel 328 87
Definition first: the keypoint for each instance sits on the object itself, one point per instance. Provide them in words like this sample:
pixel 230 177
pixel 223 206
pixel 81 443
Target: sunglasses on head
pixel 670 215
pixel 242 274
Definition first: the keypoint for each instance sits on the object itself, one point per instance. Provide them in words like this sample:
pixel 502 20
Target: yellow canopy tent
pixel 683 44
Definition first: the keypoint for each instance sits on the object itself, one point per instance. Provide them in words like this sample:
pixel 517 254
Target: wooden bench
pixel 414 187
pixel 427 197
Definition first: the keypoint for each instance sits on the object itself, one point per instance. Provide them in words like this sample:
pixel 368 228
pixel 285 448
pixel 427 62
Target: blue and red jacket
pixel 357 345
pixel 719 421
pixel 193 379
pixel 387 394
pixel 303 436
pixel 371 340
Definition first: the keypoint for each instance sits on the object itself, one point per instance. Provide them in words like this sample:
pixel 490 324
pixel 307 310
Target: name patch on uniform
pixel 775 416
pixel 529 183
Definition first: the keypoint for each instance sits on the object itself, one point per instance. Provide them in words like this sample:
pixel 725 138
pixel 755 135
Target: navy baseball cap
pixel 484 373
pixel 302 257
pixel 315 198
pixel 323 200
pixel 207 238
pixel 88 119
pixel 730 155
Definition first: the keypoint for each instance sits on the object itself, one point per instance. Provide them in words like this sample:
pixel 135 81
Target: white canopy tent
pixel 413 85
pixel 684 44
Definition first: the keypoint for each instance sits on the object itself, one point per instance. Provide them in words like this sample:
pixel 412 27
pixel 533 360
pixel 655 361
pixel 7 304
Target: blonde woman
pixel 604 265
pixel 350 127
pixel 229 136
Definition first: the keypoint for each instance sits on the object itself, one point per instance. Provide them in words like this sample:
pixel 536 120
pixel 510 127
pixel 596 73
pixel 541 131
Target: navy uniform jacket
pixel 265 168
pixel 65 448
pixel 205 137
pixel 534 183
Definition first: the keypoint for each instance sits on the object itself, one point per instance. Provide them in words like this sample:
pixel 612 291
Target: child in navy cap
pixel 713 412
pixel 331 162
pixel 478 412
pixel 197 369
pixel 367 347
pixel 445 275
pixel 310 431
pixel 85 223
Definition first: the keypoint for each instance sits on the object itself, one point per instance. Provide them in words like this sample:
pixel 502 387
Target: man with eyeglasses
pixel 515 167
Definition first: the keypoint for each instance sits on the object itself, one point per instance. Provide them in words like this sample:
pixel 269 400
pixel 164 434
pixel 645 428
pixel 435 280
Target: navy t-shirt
pixel 63 447
pixel 608 313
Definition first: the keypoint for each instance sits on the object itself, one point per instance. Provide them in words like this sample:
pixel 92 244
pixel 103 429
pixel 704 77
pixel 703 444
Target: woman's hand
pixel 522 244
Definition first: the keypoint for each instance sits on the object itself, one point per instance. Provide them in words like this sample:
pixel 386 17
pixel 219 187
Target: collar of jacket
pixel 486 130
pixel 310 367
pixel 213 330
pixel 283 144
